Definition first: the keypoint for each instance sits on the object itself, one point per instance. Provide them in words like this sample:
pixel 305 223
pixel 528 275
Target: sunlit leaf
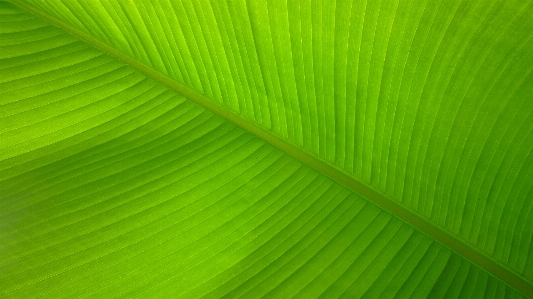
pixel 370 149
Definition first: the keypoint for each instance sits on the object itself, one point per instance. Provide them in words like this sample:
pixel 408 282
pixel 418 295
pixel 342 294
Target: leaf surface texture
pixel 114 184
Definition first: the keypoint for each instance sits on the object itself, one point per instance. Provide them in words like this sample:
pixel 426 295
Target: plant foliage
pixel 133 160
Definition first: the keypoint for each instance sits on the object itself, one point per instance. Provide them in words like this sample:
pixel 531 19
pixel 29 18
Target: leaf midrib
pixel 477 257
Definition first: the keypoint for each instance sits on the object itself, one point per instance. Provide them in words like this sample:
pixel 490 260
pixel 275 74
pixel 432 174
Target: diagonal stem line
pixel 477 257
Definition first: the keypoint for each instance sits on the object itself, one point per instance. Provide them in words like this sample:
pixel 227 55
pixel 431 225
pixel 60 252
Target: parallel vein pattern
pixel 429 103
pixel 113 185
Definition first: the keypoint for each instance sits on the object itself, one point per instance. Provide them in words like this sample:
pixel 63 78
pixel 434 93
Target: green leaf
pixel 357 149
